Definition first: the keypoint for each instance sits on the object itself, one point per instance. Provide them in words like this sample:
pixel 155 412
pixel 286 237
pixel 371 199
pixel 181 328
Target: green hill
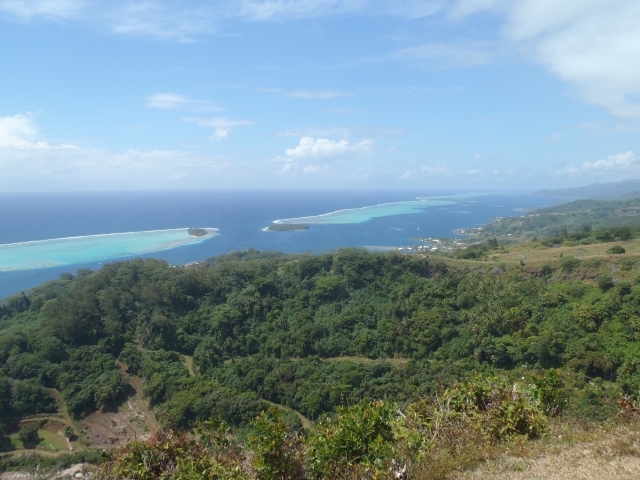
pixel 232 337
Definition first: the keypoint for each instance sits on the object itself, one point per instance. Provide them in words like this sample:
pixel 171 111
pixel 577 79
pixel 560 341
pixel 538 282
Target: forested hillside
pixel 313 333
pixel 593 214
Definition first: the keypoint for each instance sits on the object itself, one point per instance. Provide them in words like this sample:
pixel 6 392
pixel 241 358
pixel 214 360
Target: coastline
pixel 58 252
pixel 447 201
pixel 213 233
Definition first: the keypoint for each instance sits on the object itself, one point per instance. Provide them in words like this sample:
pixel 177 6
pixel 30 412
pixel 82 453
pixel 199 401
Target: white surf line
pixel 419 199
pixel 105 235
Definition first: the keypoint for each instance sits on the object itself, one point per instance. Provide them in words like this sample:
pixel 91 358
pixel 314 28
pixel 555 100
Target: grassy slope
pixel 569 452
pixel 594 259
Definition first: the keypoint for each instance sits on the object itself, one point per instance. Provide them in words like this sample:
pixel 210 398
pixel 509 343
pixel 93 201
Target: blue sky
pixel 464 94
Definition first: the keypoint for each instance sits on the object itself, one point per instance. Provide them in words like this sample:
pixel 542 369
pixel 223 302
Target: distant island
pixel 287 227
pixel 197 232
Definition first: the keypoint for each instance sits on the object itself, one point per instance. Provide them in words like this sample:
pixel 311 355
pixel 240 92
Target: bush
pixel 604 282
pixel 276 452
pixel 494 407
pixel 173 455
pixel 29 436
pixel 569 264
pixel 616 250
pixel 359 436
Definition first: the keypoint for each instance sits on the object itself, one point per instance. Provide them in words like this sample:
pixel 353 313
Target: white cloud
pixel 304 157
pixel 323 148
pixel 620 164
pixel 27 163
pixel 270 10
pixel 52 9
pixel 19 132
pixel 81 169
pixel 220 133
pixel 167 100
pixel 163 19
pixel 591 44
pixel 223 126
pixel 170 101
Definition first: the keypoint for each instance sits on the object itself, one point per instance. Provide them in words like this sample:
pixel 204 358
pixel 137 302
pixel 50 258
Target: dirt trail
pixel 188 361
pixel 45 453
pixel 306 423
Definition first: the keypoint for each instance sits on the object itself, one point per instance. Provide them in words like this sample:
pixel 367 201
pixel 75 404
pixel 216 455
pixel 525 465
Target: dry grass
pixel 529 252
pixel 397 362
pixel 607 452
pixel 531 257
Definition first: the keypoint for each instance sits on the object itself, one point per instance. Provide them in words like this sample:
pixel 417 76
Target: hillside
pixel 139 347
pixel 572 216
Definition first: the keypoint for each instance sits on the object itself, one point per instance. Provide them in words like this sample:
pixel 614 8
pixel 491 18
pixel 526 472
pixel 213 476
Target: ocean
pixel 155 223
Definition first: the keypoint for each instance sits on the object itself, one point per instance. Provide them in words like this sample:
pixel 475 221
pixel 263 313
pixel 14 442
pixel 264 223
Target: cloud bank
pixel 26 160
pixel 614 166
pixel 19 132
pixel 323 148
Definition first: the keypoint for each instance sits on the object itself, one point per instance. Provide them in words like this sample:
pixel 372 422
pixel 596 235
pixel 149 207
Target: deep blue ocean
pixel 240 217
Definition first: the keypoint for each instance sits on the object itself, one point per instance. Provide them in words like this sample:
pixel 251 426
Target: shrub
pixel 276 452
pixel 616 250
pixel 604 282
pixel 494 407
pixel 29 436
pixel 174 455
pixel 569 264
pixel 624 288
pixel 359 436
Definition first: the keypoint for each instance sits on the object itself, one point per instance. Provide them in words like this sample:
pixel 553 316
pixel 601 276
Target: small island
pixel 287 227
pixel 197 232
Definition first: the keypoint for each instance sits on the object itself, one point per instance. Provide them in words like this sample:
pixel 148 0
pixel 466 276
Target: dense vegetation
pixel 368 440
pixel 595 215
pixel 197 232
pixel 287 227
pixel 315 333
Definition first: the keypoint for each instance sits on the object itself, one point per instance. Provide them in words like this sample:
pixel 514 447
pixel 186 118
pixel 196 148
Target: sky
pixel 346 94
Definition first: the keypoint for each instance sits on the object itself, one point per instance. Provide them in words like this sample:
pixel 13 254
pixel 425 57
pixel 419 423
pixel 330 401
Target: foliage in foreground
pixel 368 440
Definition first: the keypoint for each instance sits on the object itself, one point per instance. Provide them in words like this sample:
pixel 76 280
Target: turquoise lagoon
pixel 91 248
pixel 364 214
